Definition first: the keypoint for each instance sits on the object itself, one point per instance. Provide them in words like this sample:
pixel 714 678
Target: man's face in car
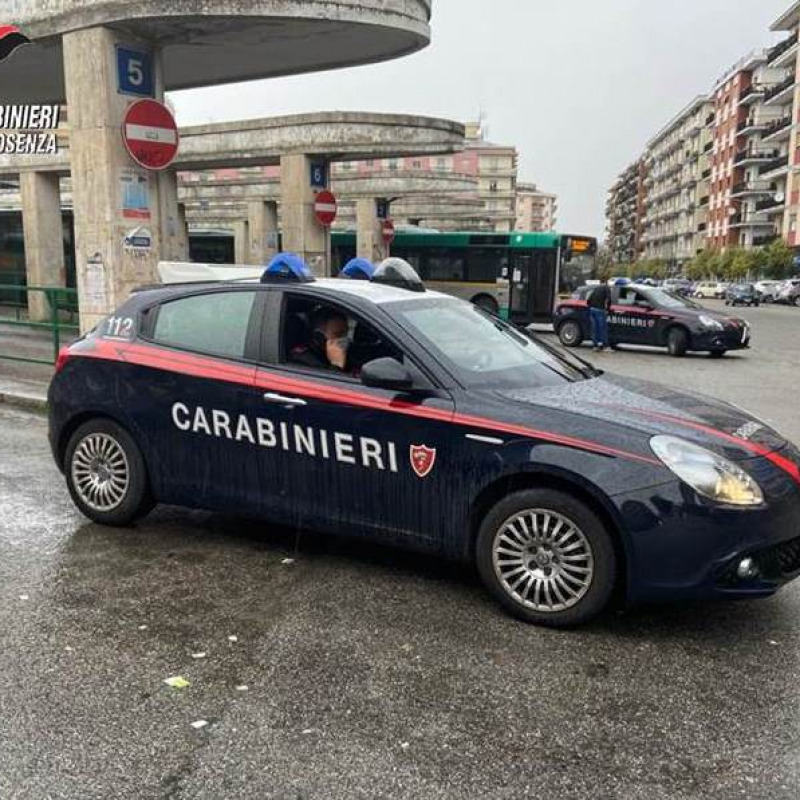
pixel 335 331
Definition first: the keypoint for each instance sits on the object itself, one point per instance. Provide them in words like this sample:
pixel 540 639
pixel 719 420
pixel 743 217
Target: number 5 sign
pixel 134 72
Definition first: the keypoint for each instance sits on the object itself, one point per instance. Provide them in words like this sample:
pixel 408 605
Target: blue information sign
pixel 134 72
pixel 319 175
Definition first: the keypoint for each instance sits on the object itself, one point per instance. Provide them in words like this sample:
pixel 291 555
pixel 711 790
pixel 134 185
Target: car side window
pixel 215 323
pixel 627 297
pixel 329 338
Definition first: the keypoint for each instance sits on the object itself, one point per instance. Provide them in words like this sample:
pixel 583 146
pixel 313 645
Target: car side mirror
pixel 386 373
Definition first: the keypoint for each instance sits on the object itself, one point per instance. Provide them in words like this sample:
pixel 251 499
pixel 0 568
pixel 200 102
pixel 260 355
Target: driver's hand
pixel 336 352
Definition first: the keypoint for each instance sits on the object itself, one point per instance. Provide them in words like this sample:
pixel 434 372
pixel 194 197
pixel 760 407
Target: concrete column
pixel 262 219
pixel 240 242
pixel 174 233
pixel 112 196
pixel 369 238
pixel 302 234
pixel 44 244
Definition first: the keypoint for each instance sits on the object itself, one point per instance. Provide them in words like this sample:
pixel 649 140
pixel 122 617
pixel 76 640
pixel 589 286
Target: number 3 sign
pixel 134 72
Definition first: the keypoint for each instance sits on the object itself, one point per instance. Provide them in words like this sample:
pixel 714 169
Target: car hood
pixel 650 409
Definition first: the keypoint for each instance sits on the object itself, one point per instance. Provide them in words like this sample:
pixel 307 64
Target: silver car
pixel 790 292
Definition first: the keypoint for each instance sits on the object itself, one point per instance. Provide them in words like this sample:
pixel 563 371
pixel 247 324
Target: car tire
pixel 487 303
pixel 106 474
pixel 542 562
pixel 570 333
pixel 677 342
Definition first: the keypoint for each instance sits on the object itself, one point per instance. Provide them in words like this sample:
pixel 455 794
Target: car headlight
pixel 708 322
pixel 707 473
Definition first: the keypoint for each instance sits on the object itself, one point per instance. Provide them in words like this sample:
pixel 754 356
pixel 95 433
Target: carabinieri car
pixel 443 429
pixel 650 316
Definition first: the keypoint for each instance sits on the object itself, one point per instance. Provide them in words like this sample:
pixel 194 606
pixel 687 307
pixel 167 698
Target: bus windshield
pixel 482 350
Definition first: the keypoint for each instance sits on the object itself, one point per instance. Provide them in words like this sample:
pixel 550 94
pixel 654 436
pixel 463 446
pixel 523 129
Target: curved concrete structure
pixel 328 135
pixel 207 42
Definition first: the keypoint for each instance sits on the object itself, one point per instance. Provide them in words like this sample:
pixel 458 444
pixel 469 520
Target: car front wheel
pixel 547 558
pixel 570 333
pixel 106 474
pixel 677 342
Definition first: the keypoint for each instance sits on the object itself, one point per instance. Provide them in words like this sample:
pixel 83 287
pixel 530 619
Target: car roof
pixel 375 293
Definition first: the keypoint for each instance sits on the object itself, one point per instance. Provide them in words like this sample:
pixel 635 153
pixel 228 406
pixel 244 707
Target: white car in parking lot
pixel 789 292
pixel 710 289
pixel 768 290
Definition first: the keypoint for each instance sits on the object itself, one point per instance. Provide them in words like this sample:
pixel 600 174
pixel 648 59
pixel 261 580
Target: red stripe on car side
pixel 201 366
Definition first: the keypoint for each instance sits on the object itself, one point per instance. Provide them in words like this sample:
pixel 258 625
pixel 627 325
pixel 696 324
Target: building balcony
pixel 771 206
pixel 776 166
pixel 783 52
pixel 778 129
pixel 752 156
pixel 748 221
pixel 750 126
pixel 763 241
pixel 751 94
pixel 746 188
pixel 782 93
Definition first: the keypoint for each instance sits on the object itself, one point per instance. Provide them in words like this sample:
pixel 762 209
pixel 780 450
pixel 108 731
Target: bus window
pixel 445 265
pixel 485 264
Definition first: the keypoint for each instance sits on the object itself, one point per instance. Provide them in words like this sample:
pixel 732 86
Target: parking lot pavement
pixel 764 379
pixel 371 673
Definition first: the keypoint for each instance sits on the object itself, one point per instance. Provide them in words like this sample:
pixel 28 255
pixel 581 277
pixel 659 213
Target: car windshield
pixel 484 351
pixel 665 299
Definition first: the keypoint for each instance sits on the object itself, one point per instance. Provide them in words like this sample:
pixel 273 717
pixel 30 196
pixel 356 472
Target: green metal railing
pixel 57 315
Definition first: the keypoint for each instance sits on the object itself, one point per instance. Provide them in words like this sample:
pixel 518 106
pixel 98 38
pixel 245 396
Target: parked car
pixel 768 290
pixel 448 431
pixel 655 318
pixel 789 293
pixel 742 294
pixel 706 289
pixel 681 286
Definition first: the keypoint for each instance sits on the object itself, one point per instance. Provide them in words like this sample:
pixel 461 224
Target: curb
pixel 24 401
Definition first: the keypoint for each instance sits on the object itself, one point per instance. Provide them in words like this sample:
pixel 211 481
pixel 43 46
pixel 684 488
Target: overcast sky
pixel 578 86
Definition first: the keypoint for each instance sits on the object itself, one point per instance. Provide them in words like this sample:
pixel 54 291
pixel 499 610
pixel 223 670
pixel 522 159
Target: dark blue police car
pixel 650 316
pixel 413 418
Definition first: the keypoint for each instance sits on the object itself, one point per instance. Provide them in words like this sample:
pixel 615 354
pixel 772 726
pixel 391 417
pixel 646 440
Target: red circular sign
pixel 325 208
pixel 150 134
pixel 387 230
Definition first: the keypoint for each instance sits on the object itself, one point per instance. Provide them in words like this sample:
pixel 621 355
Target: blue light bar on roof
pixel 358 269
pixel 287 267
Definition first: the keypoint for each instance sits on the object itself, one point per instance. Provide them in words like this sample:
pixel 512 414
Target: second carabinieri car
pixel 651 316
pixel 378 409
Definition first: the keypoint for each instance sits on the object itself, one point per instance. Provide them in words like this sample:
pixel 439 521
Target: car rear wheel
pixel 570 333
pixel 547 558
pixel 106 474
pixel 677 342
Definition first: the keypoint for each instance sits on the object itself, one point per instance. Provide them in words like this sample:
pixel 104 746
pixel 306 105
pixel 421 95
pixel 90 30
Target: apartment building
pixel 625 209
pixel 677 159
pixel 536 210
pixel 782 98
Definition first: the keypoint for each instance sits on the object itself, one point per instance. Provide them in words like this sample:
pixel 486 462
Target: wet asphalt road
pixel 371 673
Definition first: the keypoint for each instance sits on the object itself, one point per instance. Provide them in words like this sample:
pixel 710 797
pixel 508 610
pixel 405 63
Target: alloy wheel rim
pixel 570 333
pixel 543 560
pixel 100 472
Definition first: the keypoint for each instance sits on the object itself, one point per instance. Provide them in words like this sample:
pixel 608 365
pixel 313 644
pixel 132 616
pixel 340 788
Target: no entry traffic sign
pixel 325 208
pixel 387 231
pixel 150 134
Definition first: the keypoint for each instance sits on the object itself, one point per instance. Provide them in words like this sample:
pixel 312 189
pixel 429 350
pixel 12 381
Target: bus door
pixel 532 286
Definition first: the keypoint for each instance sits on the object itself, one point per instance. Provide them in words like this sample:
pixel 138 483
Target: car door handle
pixel 280 399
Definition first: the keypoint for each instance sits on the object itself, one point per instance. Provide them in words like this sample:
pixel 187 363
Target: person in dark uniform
pixel 599 303
pixel 328 344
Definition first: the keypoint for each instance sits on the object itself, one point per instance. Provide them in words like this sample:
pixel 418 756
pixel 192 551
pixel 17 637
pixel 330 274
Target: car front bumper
pixel 730 338
pixel 681 547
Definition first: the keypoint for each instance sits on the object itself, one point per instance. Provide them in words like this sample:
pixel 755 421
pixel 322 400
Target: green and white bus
pixel 518 275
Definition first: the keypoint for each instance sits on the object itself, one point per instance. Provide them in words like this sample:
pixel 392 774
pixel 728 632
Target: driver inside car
pixel 329 341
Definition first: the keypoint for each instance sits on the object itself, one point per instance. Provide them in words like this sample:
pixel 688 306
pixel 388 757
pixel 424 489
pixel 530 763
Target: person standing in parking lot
pixel 599 303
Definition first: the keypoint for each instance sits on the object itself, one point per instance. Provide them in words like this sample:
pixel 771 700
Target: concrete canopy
pixel 332 136
pixel 207 42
